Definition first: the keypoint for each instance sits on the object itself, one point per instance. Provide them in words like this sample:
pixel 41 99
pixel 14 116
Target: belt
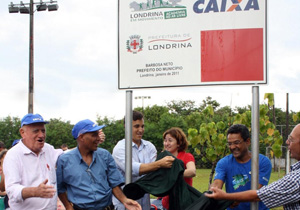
pixel 110 207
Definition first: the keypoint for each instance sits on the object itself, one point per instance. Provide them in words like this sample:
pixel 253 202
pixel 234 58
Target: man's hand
pixel 166 162
pixel 216 193
pixel 45 191
pixel 128 203
pixel 102 136
pixel 132 205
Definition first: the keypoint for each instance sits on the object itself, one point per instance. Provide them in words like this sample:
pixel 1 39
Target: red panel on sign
pixel 232 55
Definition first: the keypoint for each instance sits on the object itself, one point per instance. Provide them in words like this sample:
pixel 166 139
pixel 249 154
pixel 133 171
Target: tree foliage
pixel 182 108
pixel 296 117
pixel 205 124
pixel 210 138
pixel 114 131
pixel 9 130
pixel 59 132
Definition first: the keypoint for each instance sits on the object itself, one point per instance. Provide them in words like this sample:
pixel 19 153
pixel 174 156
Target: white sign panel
pixel 191 42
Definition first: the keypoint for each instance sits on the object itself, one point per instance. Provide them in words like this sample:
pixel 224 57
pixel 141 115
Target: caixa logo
pixel 206 6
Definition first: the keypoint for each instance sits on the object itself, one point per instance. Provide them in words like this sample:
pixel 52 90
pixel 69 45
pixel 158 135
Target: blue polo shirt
pixel 88 186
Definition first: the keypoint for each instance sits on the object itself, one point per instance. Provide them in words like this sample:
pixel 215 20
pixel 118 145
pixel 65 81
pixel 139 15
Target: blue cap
pixel 15 142
pixel 85 126
pixel 32 118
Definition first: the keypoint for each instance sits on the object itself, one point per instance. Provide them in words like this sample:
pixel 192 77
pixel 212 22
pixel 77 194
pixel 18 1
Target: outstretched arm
pixel 245 196
pixel 128 203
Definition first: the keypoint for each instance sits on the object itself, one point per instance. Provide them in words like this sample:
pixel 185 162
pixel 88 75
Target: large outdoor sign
pixel 192 42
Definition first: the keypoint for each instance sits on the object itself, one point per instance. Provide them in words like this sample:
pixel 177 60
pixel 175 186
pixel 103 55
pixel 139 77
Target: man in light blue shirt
pixel 143 158
pixel 87 176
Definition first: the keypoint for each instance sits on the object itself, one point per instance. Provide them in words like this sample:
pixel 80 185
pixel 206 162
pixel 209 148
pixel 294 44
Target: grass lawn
pixel 200 182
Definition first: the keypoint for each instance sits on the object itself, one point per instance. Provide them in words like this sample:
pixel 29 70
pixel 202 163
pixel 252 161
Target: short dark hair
pixel 136 115
pixel 180 137
pixel 241 129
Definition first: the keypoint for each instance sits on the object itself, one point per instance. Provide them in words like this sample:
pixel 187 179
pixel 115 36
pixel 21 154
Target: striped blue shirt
pixel 284 192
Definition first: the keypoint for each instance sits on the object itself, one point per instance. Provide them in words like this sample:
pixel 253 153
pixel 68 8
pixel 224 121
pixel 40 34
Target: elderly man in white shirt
pixel 29 168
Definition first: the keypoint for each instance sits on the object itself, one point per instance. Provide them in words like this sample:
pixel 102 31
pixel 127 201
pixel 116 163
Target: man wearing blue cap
pixel 87 176
pixel 29 168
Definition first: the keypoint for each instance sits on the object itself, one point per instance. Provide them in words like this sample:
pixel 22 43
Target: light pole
pixel 142 97
pixel 23 9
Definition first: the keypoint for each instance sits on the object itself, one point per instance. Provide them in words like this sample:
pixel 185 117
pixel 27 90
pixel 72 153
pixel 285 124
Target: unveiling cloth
pixel 170 181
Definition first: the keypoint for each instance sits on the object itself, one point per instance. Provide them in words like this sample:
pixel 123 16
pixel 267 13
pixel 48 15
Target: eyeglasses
pixel 290 139
pixel 235 143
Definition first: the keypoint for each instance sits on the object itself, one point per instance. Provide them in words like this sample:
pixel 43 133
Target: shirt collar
pixel 77 152
pixel 141 146
pixel 26 150
pixel 295 166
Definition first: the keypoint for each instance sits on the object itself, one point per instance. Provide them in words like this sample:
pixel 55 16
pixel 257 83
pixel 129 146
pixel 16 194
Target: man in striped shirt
pixel 284 192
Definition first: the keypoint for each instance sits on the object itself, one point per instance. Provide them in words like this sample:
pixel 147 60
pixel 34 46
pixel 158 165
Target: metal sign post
pixel 255 142
pixel 128 137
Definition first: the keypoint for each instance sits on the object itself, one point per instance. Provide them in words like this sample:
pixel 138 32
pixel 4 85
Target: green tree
pixel 296 117
pixel 195 119
pixel 153 113
pixel 114 131
pixel 269 136
pixel 224 114
pixel 209 102
pixel 9 130
pixel 210 140
pixel 241 110
pixel 59 132
pixel 182 108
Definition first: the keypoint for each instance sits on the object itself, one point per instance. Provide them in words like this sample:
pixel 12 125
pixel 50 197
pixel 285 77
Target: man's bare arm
pixel 217 183
pixel 64 199
pixel 245 196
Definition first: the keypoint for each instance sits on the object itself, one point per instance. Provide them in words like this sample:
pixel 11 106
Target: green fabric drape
pixel 170 182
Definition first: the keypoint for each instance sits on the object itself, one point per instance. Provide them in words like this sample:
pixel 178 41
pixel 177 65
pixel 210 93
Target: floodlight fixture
pixel 24 10
pixel 27 8
pixel 52 7
pixel 41 7
pixel 13 9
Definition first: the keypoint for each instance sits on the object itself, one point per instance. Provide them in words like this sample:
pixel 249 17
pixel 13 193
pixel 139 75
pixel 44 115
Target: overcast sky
pixel 76 63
